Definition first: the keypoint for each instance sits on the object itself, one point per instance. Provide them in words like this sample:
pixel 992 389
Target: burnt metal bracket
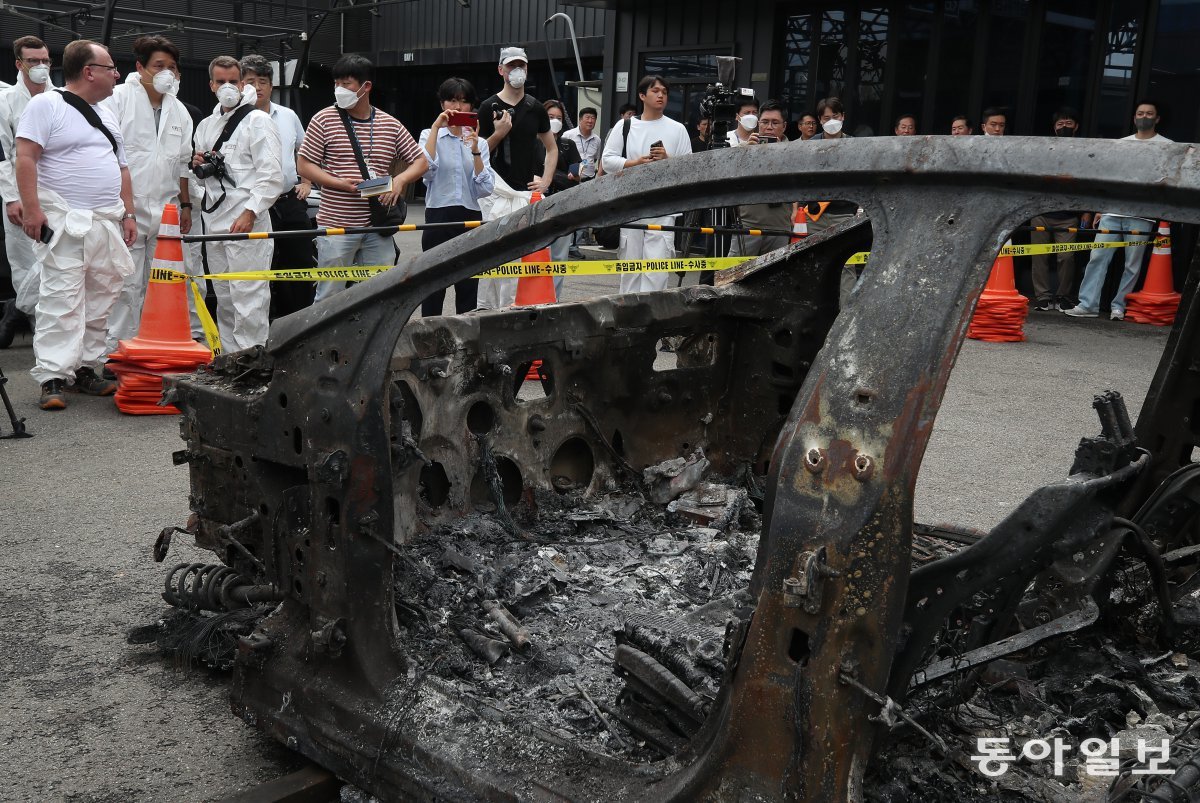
pixel 805 589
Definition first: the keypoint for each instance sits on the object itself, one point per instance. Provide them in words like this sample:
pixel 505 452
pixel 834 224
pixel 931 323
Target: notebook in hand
pixel 374 186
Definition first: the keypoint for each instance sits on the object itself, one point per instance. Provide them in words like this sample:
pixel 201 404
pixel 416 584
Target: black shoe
pixel 87 382
pixel 107 373
pixel 9 323
pixel 52 395
pixel 1045 305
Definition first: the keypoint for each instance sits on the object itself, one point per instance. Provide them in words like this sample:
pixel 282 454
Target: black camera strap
pixel 374 204
pixel 235 118
pixel 625 137
pixel 231 123
pixel 83 107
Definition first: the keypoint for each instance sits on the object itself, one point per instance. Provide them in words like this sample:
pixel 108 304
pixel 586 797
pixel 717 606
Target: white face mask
pixel 749 121
pixel 344 98
pixel 832 127
pixel 516 78
pixel 555 125
pixel 163 81
pixel 39 74
pixel 228 95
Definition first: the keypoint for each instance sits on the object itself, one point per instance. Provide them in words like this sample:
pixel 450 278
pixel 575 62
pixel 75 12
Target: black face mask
pixel 1064 132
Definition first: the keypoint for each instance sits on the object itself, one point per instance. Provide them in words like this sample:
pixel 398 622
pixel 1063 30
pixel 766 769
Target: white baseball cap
pixel 508 54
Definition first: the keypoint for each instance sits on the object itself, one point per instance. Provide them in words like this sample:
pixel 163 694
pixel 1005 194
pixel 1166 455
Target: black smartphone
pixel 46 235
pixel 656 145
pixel 763 138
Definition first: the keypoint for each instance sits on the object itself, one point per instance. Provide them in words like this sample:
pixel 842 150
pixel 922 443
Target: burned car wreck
pixel 505 556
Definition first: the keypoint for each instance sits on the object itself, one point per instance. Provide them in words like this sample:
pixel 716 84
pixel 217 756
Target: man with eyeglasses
pixel 808 126
pixel 33 78
pixel 290 210
pixel 77 204
pixel 771 127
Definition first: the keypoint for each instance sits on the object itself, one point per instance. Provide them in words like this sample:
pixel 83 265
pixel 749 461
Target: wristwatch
pixel 185 205
pixel 128 216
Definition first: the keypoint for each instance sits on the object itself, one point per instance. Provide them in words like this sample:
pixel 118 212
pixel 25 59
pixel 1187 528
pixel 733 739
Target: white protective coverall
pixel 500 293
pixel 636 244
pixel 25 266
pixel 254 181
pixel 157 159
pixel 84 268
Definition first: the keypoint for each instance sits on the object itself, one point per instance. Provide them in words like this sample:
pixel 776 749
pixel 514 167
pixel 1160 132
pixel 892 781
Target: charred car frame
pixel 318 461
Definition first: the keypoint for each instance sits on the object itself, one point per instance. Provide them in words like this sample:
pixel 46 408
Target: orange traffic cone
pixel 799 224
pixel 535 289
pixel 164 340
pixel 1157 301
pixel 1001 311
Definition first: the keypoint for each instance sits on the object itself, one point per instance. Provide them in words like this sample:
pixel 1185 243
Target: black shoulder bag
pixel 380 215
pixel 80 105
pixel 610 236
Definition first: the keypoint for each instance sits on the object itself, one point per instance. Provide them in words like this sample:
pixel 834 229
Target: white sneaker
pixel 1116 315
pixel 1080 312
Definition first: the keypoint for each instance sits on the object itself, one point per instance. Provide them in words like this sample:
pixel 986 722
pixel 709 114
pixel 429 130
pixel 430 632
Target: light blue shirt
pixel 291 134
pixel 451 179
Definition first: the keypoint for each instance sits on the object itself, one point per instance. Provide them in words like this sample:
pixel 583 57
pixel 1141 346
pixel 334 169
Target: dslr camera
pixel 213 166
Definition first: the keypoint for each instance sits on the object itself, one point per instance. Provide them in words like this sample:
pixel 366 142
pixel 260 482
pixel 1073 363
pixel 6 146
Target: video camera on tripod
pixel 721 102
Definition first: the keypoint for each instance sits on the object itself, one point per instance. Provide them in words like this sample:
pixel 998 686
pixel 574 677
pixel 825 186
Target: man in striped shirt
pixel 326 158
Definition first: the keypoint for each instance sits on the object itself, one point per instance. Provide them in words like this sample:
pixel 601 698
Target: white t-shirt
pixel 1134 137
pixel 1155 138
pixel 643 134
pixel 77 160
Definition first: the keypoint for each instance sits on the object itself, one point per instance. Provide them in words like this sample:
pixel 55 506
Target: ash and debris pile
pixel 530 610
pixel 1102 714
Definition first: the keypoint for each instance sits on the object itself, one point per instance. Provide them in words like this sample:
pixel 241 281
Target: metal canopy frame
pixel 54 13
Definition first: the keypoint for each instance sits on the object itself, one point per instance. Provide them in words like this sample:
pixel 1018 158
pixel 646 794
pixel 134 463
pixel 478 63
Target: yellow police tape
pixel 515 270
pixel 1050 248
pixel 211 333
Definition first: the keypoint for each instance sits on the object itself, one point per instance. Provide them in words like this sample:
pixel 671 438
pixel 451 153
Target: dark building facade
pixel 933 60
pixel 418 45
pixel 930 59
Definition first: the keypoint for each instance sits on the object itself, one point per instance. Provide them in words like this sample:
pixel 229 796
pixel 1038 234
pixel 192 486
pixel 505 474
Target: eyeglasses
pixel 809 123
pixel 38 62
pixel 109 67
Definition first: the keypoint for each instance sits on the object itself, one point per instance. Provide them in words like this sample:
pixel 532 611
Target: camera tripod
pixel 727 217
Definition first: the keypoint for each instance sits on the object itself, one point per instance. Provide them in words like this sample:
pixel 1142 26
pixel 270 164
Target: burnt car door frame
pixel 840 493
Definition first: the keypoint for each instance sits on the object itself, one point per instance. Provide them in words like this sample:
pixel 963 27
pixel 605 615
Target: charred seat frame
pixel 314 447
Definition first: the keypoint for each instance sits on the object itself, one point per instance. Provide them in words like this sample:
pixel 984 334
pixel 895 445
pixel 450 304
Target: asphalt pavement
pixel 87 717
